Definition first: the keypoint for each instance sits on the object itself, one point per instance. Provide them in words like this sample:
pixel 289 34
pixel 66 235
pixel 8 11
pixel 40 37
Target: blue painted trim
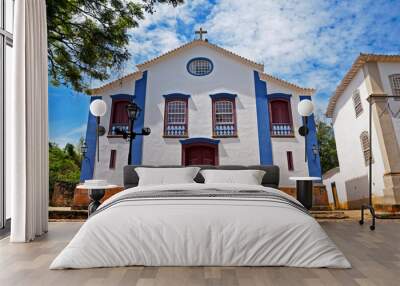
pixel 264 136
pixel 199 140
pixel 314 164
pixel 279 96
pixel 87 167
pixel 140 99
pixel 223 95
pixel 122 96
pixel 176 96
pixel 200 58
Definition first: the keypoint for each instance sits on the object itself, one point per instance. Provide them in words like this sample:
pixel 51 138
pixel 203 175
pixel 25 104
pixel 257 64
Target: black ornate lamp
pixel 315 150
pixel 133 111
pixel 84 149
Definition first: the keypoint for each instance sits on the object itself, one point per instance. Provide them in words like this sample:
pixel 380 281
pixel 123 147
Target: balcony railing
pixel 281 129
pixel 175 130
pixel 116 129
pixel 225 130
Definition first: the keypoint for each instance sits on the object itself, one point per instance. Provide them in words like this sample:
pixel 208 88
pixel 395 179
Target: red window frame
pixel 214 119
pixel 115 102
pixel 183 134
pixel 113 158
pixel 290 164
pixel 281 129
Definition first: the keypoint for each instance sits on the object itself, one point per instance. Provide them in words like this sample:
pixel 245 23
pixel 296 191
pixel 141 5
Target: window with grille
pixel 176 118
pixel 224 118
pixel 395 84
pixel 357 102
pixel 200 66
pixel 119 117
pixel 281 118
pixel 364 138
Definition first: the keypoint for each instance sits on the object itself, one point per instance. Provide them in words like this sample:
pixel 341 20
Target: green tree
pixel 327 144
pixel 89 38
pixel 64 165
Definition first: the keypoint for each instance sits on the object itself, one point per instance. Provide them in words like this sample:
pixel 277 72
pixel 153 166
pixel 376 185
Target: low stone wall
pixel 63 194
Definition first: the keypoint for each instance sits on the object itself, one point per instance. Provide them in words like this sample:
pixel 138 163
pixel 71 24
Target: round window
pixel 200 66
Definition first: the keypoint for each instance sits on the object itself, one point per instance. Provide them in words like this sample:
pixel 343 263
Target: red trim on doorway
pixel 185 147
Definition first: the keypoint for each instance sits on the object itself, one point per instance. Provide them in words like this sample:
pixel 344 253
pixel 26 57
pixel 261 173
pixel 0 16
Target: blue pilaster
pixel 264 134
pixel 87 167
pixel 314 163
pixel 140 99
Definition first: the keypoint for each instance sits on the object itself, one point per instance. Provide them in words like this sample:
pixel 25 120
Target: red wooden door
pixel 200 155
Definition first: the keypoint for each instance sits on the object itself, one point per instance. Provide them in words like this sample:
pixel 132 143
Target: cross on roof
pixel 200 32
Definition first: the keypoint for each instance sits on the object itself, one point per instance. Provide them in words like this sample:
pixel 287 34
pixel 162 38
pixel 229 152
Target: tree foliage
pixel 89 38
pixel 327 144
pixel 64 165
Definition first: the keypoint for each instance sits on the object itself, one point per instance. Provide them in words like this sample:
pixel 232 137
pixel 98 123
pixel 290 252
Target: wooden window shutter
pixel 395 84
pixel 357 102
pixel 364 138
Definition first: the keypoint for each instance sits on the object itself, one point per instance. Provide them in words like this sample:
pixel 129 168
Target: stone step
pixel 328 214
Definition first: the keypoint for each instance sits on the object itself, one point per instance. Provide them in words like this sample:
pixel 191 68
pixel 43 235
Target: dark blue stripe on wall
pixel 176 96
pixel 223 95
pixel 196 140
pixel 122 96
pixel 279 95
pixel 87 167
pixel 140 98
pixel 264 136
pixel 314 164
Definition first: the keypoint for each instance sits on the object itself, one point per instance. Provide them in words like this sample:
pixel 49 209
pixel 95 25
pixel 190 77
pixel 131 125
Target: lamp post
pixel 315 150
pixel 84 149
pixel 98 108
pixel 133 111
pixel 305 109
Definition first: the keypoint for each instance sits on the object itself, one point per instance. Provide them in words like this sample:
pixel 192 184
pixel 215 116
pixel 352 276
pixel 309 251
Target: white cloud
pixel 311 43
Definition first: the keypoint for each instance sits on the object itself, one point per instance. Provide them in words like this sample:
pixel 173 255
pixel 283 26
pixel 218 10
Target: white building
pixel 204 105
pixel 349 109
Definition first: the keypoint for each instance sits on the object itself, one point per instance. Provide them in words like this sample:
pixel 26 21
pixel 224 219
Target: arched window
pixel 224 118
pixel 176 118
pixel 364 138
pixel 281 118
pixel 119 117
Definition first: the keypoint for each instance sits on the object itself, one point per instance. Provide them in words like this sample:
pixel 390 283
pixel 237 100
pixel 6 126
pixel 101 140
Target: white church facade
pixel 347 186
pixel 204 105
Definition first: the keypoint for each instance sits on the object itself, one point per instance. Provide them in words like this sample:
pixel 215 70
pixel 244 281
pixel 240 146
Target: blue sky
pixel 311 43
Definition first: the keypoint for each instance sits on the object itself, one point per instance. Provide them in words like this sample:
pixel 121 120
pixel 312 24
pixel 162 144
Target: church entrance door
pixel 200 154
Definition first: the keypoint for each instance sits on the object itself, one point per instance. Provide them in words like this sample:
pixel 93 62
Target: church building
pixel 205 106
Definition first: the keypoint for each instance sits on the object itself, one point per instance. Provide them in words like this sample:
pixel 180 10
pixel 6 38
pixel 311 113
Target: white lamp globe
pixel 98 107
pixel 305 107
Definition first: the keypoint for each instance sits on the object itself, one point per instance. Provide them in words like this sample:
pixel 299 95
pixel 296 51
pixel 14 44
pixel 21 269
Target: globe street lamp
pixel 98 108
pixel 305 109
